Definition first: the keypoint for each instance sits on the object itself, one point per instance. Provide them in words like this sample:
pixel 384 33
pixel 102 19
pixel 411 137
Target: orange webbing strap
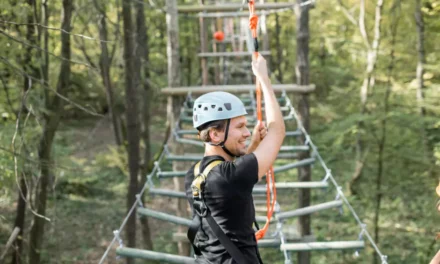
pixel 271 193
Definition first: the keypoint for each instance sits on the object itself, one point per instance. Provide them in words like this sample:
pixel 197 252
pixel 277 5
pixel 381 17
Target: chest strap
pixel 202 211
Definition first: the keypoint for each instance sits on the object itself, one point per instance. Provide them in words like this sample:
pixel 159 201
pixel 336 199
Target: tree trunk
pixel 277 65
pixel 142 61
pixel 428 147
pixel 132 116
pixel 27 61
pixel 367 85
pixel 173 108
pixel 203 47
pixel 19 221
pixel 104 65
pixel 50 126
pixel 302 78
pixel 382 141
pixel 22 191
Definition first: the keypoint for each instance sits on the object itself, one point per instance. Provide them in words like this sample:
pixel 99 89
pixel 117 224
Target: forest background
pixel 66 127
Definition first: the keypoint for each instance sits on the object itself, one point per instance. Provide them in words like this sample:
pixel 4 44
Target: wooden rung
pixel 231 7
pixel 301 163
pixel 231 54
pixel 261 209
pixel 180 237
pixel 292 185
pixel 166 174
pixel 164 216
pixel 269 243
pixel 226 14
pixel 198 157
pixel 190 142
pixel 337 245
pixel 308 210
pixel 262 219
pixel 295 133
pixel 186 157
pixel 245 88
pixel 165 192
pixel 153 255
pixel 295 148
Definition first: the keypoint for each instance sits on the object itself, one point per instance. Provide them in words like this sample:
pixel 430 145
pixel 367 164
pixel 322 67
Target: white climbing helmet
pixel 216 106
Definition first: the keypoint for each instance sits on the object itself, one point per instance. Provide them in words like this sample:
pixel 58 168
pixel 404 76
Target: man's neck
pixel 216 150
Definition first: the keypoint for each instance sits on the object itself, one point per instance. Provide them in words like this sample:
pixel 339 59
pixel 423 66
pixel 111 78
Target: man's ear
pixel 214 135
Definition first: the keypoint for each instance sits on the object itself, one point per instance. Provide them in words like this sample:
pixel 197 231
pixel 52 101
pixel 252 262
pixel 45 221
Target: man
pixel 222 230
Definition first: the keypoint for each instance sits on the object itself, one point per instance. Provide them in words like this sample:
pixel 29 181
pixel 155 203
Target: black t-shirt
pixel 228 195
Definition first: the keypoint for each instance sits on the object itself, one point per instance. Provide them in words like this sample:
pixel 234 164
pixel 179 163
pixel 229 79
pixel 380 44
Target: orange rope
pixel 270 176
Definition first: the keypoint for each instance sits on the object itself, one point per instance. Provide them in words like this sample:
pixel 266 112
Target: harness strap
pixel 197 188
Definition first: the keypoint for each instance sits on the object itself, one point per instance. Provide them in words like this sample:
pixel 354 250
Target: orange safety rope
pixel 270 176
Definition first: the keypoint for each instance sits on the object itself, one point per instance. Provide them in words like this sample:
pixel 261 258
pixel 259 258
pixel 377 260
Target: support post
pixel 173 109
pixel 302 78
pixel 203 47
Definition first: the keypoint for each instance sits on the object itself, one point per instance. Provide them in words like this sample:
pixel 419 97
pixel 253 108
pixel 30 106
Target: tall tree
pixel 382 141
pixel 174 105
pixel 143 77
pixel 421 60
pixel 302 78
pixel 132 116
pixel 104 66
pixel 54 106
pixel 22 186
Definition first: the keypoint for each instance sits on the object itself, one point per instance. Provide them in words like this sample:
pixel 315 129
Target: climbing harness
pixel 271 194
pixel 202 211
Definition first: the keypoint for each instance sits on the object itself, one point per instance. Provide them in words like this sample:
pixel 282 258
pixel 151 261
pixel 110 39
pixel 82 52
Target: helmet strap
pixel 222 144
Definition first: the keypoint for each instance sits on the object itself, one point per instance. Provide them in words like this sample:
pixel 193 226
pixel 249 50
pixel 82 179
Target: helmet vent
pixel 228 106
pixel 206 108
pixel 195 109
pixel 220 109
pixel 200 106
pixel 212 106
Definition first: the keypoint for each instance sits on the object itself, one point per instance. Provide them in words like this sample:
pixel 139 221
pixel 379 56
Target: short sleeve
pixel 246 171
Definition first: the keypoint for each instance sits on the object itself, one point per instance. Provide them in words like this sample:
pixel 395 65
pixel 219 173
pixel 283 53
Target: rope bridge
pixel 278 238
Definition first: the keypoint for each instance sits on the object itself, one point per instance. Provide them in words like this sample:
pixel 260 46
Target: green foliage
pixel 87 199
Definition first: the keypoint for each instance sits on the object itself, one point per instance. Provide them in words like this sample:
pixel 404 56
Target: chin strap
pixel 222 144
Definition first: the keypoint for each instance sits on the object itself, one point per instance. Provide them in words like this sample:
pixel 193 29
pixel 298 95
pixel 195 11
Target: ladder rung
pixel 262 219
pixel 295 133
pixel 165 192
pixel 304 162
pixel 166 174
pixel 190 142
pixel 164 216
pixel 153 255
pixel 266 243
pixel 235 88
pixel 295 148
pixel 308 210
pixel 188 132
pixel 195 157
pixel 292 185
pixel 337 245
pixel 188 157
pixel 195 132
pixel 231 54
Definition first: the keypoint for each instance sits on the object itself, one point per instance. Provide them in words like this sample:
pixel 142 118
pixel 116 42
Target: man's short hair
pixel 204 129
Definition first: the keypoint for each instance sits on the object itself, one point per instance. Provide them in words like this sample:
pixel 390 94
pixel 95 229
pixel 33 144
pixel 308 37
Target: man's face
pixel 237 136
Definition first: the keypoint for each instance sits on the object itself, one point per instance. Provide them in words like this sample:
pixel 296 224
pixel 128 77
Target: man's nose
pixel 247 133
